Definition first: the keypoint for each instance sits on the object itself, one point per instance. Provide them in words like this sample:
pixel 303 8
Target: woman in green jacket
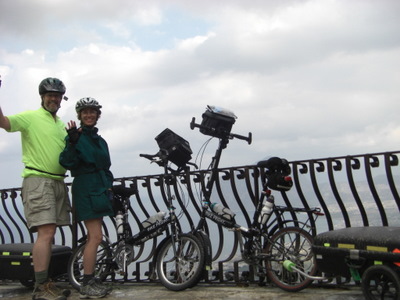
pixel 87 156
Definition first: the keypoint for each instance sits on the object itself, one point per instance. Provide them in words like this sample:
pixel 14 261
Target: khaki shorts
pixel 45 201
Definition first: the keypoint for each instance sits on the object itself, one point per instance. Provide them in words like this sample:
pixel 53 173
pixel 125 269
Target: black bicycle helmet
pixel 277 171
pixel 87 102
pixel 51 85
pixel 277 165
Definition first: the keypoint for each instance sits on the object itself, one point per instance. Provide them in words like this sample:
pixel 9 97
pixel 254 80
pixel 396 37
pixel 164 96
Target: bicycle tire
pixel 75 264
pixel 380 282
pixel 294 244
pixel 185 269
pixel 206 242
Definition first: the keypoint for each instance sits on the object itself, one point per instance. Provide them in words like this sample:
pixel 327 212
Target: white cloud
pixel 308 78
pixel 148 16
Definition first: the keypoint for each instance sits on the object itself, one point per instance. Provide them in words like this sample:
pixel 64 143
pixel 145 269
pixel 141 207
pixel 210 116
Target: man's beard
pixel 52 108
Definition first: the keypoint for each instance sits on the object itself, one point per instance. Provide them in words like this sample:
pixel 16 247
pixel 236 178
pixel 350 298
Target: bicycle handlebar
pixel 160 160
pixel 248 138
pixel 149 156
pixel 156 158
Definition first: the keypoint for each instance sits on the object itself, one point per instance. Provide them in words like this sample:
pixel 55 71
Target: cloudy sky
pixel 309 78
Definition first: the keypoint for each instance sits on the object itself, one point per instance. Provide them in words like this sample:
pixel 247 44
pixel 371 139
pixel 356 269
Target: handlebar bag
pixel 217 122
pixel 177 148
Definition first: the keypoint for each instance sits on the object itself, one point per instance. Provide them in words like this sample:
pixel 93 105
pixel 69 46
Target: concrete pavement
pixel 204 291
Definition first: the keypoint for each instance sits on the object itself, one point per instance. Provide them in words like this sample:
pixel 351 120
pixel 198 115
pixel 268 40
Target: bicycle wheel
pixel 380 282
pixel 75 264
pixel 294 244
pixel 180 264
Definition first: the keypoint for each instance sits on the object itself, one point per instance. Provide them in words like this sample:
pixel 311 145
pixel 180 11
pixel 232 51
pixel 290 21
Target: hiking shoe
pixel 65 292
pixel 92 290
pixel 48 291
pixel 100 284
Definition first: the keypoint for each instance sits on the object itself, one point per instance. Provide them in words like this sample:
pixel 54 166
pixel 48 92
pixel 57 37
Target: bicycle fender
pixel 155 255
pixel 205 239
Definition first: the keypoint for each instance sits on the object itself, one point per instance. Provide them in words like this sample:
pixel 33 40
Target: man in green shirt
pixel 44 193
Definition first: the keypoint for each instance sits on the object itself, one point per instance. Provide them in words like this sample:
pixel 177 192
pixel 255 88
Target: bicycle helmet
pixel 51 85
pixel 277 165
pixel 87 102
pixel 277 171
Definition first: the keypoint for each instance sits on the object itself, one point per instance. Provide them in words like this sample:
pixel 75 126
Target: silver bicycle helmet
pixel 51 85
pixel 87 102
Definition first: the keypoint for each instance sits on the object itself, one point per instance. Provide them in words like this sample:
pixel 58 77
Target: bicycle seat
pixel 123 191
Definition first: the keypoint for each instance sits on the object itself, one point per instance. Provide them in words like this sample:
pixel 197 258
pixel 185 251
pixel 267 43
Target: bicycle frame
pixel 179 257
pixel 257 236
pixel 153 230
pixel 206 213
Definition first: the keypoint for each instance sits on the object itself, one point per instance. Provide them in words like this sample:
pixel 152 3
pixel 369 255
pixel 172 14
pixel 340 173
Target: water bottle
pixel 119 220
pixel 266 210
pixel 157 217
pixel 223 211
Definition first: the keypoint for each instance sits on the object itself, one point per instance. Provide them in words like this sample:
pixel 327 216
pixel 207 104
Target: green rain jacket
pixel 89 162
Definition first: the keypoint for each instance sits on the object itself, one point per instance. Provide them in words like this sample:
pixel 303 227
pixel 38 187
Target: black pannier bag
pixel 176 148
pixel 277 171
pixel 339 252
pixel 16 262
pixel 217 122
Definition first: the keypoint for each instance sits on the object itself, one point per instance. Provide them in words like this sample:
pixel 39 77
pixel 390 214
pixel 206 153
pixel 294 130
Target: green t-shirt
pixel 42 140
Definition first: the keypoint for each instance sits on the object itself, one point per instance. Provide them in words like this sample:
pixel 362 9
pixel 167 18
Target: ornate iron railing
pixel 353 190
